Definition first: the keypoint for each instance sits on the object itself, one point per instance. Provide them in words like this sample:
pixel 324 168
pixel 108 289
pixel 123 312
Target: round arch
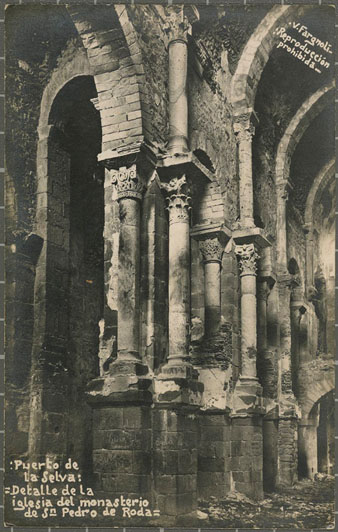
pixel 256 54
pixel 77 66
pixel 53 223
pixel 323 383
pixel 319 184
pixel 116 64
pixel 296 128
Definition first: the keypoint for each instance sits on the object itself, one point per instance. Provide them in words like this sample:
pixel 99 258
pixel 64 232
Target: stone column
pixel 244 131
pixel 177 392
pixel 212 251
pixel 178 201
pixel 178 101
pixel 299 345
pixel 309 282
pixel 265 355
pixel 178 25
pixel 247 257
pixel 263 291
pixel 284 296
pixel 129 187
pixel 120 397
pixel 282 197
pixel 307 446
pixel 288 411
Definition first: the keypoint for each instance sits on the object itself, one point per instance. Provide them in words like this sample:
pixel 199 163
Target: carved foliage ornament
pixel 243 128
pixel 247 257
pixel 128 183
pixel 178 199
pixel 211 250
pixel 178 21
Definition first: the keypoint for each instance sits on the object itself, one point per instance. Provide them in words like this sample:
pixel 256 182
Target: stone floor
pixel 307 505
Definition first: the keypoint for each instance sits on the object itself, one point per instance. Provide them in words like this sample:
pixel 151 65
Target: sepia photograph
pixel 170 266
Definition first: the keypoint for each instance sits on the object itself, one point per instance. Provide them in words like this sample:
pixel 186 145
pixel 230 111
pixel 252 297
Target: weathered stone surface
pixel 130 346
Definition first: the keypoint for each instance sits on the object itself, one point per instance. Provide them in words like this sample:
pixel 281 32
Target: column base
pixel 124 376
pixel 179 385
pixel 179 371
pixel 247 398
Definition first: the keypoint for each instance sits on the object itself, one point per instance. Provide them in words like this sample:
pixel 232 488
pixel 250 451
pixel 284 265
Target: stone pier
pixel 247 401
pixel 120 398
pixel 288 417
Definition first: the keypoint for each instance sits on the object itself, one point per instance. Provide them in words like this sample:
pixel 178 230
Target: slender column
pixel 262 298
pixel 179 270
pixel 129 188
pixel 244 131
pixel 212 252
pixel 284 289
pixel 307 447
pixel 284 296
pixel 265 355
pixel 178 101
pixel 299 340
pixel 282 198
pixel 247 257
pixel 178 25
pixel 309 260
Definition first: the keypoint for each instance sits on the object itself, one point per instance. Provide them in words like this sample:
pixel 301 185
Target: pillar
pixel 270 459
pixel 282 190
pixel 288 409
pixel 246 432
pixel 244 131
pixel 284 289
pixel 262 297
pixel 212 251
pixel 129 187
pixel 247 257
pixel 178 25
pixel 178 101
pixel 120 397
pixel 299 344
pixel 309 281
pixel 307 447
pixel 266 366
pixel 177 391
pixel 178 201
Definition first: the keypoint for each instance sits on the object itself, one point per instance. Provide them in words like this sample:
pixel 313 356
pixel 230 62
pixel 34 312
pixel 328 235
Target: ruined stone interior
pixel 170 248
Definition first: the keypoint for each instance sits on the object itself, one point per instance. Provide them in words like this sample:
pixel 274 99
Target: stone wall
pixel 247 456
pixel 208 135
pixel 152 46
pixel 214 458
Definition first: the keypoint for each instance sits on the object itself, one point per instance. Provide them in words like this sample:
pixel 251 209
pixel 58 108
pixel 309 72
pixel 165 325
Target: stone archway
pixel 296 128
pixel 316 384
pixel 64 141
pixel 256 54
pixel 116 64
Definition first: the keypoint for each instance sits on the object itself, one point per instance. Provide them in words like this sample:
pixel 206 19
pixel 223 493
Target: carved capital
pixel 178 199
pixel 247 258
pixel 211 249
pixel 127 182
pixel 244 128
pixel 178 21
